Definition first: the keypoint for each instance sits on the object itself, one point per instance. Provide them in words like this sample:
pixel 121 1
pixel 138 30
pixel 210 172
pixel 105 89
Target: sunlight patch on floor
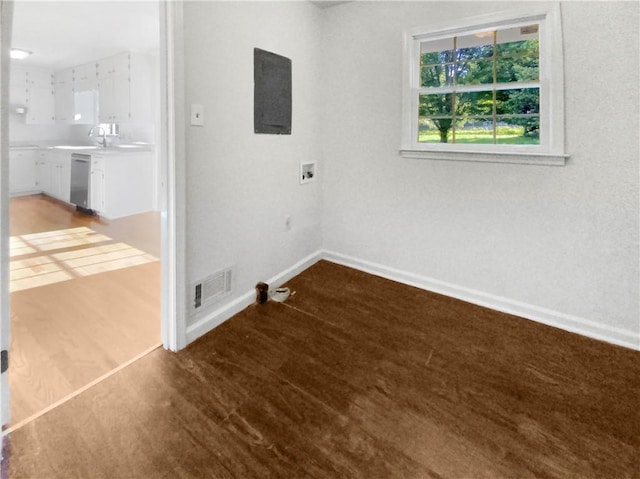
pixel 86 260
pixel 53 240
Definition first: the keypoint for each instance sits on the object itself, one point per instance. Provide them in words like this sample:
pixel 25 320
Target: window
pixel 489 89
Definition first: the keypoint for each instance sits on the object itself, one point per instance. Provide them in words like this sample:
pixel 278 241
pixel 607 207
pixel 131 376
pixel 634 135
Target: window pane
pixel 522 49
pixel 514 41
pixel 475 130
pixel 517 54
pixel 474 72
pixel 511 69
pixel 519 101
pixel 436 51
pixel 524 130
pixel 434 130
pixel 436 105
pixel 438 45
pixel 524 53
pixel 474 47
pixel 436 75
pixel 475 103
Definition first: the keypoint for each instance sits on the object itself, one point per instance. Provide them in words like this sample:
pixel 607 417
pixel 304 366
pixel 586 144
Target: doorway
pixel 83 235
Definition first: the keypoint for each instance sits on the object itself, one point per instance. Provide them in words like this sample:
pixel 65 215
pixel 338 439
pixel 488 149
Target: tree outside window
pixel 481 88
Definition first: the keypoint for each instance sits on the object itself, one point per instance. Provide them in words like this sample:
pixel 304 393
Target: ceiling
pixel 64 34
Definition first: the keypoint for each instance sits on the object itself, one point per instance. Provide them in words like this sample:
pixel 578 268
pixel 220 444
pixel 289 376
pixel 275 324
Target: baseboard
pixel 226 311
pixel 574 324
pixel 18 194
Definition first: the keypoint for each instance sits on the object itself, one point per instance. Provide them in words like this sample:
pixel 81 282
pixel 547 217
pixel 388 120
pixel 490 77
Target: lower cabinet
pixel 43 172
pixel 121 184
pixel 60 184
pixel 96 185
pixel 22 172
pixel 40 171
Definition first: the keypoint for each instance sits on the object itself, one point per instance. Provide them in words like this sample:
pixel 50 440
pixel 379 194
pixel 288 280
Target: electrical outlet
pixel 307 172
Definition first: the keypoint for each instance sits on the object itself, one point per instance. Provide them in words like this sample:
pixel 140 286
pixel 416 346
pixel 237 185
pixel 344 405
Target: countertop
pixel 75 147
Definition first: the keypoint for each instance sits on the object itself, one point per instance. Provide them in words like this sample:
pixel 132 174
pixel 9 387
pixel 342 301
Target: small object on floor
pixel 262 290
pixel 280 295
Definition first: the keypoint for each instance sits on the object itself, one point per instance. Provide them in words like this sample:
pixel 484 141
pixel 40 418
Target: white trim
pixel 567 322
pixel 489 157
pixel 220 315
pixel 6 15
pixel 551 150
pixel 479 23
pixel 574 324
pixel 173 322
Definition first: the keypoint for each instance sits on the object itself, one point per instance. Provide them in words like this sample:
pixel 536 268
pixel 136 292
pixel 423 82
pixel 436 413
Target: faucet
pixel 104 134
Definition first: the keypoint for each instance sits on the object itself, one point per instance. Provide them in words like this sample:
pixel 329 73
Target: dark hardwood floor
pixel 353 377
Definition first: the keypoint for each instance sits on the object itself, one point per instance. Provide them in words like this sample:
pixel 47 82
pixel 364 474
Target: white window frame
pixel 551 150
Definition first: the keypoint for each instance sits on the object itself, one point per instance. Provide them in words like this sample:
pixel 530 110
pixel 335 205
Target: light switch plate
pixel 197 115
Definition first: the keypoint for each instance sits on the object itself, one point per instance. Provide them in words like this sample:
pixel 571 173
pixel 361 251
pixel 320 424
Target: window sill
pixel 546 159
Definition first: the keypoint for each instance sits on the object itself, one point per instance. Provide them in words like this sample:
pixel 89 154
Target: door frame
pixel 173 217
pixel 171 146
pixel 6 18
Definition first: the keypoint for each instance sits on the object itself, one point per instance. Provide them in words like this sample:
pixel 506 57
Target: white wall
pixel 558 242
pixel 20 132
pixel 241 185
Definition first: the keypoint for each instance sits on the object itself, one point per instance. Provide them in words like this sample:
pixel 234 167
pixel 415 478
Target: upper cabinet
pixel 117 89
pixel 75 95
pixel 114 88
pixel 63 88
pixel 124 86
pixel 33 88
pixel 119 64
pixel 85 77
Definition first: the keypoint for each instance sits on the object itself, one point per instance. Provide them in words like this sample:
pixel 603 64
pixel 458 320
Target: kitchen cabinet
pixel 22 172
pixel 121 184
pixel 85 94
pixel 114 82
pixel 96 185
pixel 116 89
pixel 43 172
pixel 18 88
pixel 119 64
pixel 60 183
pixel 114 99
pixel 52 173
pixel 85 77
pixel 125 86
pixel 39 78
pixel 40 97
pixel 40 106
pixel 76 96
pixel 33 88
pixel 64 101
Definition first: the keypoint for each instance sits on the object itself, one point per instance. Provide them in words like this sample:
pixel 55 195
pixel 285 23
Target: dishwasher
pixel 80 174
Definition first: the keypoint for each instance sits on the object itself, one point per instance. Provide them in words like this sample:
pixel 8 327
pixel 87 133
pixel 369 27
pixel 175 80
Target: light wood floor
pixel 353 377
pixel 85 298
